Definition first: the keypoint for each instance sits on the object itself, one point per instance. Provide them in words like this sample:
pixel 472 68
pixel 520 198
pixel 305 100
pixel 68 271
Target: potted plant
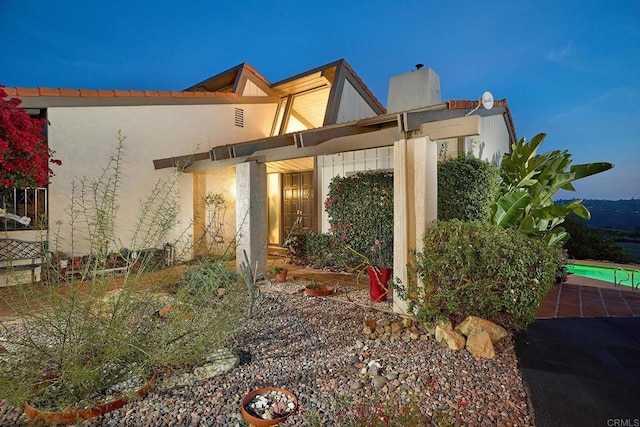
pixel 268 406
pixel 377 271
pixel 280 272
pixel 318 290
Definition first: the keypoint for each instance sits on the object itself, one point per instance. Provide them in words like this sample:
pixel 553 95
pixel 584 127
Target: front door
pixel 298 201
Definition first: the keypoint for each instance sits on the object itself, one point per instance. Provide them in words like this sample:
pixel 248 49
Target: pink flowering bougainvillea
pixel 24 155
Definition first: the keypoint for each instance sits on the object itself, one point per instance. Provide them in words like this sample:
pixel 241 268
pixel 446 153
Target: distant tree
pixel 587 243
pixel 24 154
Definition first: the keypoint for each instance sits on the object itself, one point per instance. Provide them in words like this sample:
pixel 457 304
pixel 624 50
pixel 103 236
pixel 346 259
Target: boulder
pixel 406 322
pixel 446 323
pixel 474 323
pixel 452 339
pixel 479 344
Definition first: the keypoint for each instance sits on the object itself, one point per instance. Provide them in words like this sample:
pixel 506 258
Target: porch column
pixel 415 199
pixel 251 213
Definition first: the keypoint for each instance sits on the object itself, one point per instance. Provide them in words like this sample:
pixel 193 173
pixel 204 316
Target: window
pixel 18 205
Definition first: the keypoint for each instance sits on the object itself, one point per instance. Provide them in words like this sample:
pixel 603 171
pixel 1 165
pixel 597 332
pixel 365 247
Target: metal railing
pixel 29 203
pixel 615 276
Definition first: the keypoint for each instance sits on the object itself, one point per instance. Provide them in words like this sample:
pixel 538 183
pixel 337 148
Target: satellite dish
pixel 486 100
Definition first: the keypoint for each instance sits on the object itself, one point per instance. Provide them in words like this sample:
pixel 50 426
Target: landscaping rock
pixel 448 338
pixel 474 323
pixel 479 344
pixel 446 324
pixel 219 362
pixel 406 322
pixel 379 382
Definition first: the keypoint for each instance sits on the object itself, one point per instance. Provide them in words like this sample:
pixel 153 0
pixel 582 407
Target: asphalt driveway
pixel 582 371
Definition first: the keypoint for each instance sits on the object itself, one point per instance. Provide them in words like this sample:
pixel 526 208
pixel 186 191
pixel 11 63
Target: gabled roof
pixel 232 80
pixel 325 85
pixel 318 90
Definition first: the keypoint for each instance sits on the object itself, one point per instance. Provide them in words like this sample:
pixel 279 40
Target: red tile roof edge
pixel 468 105
pixel 89 93
pixel 364 86
pixel 256 73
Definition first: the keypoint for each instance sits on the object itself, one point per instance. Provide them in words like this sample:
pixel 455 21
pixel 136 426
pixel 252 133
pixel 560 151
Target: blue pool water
pixel 608 274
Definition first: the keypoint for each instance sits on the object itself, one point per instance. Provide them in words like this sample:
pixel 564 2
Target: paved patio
pixel 587 298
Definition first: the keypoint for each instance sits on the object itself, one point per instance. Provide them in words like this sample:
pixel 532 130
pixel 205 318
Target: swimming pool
pixel 618 276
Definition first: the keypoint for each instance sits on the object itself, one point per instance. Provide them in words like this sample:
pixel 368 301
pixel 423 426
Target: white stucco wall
pixel 84 138
pixel 330 166
pixel 493 141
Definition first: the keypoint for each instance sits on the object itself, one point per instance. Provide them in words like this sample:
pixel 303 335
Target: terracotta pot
pixel 378 278
pixel 281 275
pixel 52 417
pixel 259 422
pixel 319 290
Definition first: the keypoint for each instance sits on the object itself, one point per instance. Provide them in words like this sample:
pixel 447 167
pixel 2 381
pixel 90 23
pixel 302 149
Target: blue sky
pixel 570 69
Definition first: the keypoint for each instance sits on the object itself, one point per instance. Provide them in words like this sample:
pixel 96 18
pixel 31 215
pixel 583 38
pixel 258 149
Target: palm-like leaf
pixel 530 180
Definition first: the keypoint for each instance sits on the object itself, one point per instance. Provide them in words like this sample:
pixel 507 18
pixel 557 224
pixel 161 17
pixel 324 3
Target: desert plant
pixel 484 270
pixel 529 181
pixel 83 342
pixel 467 188
pixel 207 277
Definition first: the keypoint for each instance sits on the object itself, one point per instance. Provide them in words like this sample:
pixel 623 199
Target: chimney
pixel 418 88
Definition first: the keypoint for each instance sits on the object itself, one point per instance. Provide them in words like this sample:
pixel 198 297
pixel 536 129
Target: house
pixel 270 149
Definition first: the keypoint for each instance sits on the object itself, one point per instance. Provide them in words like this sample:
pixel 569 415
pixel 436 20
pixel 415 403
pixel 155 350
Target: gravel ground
pixel 315 348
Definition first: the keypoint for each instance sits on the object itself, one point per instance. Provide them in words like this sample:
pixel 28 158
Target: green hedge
pixel 483 270
pixel 360 209
pixel 467 187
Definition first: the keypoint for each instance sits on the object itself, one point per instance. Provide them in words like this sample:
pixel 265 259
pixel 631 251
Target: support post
pixel 251 213
pixel 415 193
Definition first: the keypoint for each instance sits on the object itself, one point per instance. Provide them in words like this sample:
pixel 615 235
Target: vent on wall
pixel 239 119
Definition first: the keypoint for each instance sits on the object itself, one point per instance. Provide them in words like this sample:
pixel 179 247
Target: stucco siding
pixel 85 137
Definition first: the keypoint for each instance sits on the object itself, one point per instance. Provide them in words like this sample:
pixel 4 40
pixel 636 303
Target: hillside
pixel 618 220
pixel 612 214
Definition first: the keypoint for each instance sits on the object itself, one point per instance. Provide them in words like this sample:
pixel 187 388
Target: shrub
pixel 360 209
pixel 324 250
pixel 207 277
pixel 483 270
pixel 75 343
pixel 467 188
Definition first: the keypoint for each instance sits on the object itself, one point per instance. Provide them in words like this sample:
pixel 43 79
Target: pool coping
pixel 575 279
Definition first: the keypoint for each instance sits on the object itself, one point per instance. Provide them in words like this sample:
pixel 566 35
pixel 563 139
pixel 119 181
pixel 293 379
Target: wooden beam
pixel 451 128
